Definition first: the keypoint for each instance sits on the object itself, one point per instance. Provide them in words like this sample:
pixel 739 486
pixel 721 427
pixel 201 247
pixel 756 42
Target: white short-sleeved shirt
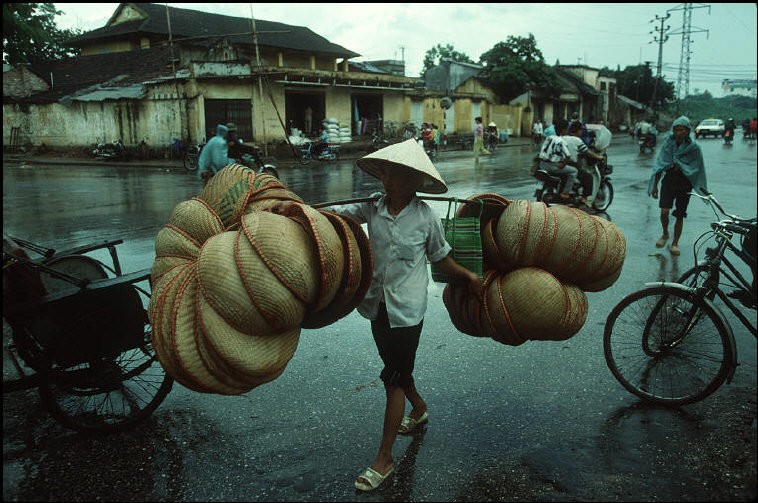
pixel 400 247
pixel 575 146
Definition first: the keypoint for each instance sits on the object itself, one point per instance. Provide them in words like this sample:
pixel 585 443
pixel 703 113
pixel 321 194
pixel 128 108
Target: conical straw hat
pixel 406 155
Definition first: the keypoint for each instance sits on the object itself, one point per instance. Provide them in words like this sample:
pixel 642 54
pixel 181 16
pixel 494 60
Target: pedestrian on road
pixel 215 154
pixel 479 139
pixel 680 163
pixel 404 232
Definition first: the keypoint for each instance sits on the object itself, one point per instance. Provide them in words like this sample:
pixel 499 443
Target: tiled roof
pixel 117 69
pixel 186 23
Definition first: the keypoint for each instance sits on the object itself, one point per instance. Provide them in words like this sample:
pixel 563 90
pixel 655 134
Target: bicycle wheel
pixel 107 394
pixel 667 346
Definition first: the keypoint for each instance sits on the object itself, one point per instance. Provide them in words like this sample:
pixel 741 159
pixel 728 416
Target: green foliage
pixel 517 65
pixel 637 82
pixel 439 51
pixel 704 106
pixel 30 34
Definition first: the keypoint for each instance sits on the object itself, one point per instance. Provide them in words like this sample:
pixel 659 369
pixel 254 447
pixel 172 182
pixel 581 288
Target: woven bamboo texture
pixel 539 260
pixel 233 283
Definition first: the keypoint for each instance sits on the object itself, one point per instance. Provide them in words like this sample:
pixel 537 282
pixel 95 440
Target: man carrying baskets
pixel 404 231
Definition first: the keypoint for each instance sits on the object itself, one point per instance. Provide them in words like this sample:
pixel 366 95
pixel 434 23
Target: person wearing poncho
pixel 679 163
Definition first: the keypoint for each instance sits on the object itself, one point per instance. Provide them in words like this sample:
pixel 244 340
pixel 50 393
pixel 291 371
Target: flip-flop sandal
pixel 409 424
pixel 373 477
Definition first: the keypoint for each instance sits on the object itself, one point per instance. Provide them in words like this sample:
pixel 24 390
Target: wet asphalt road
pixel 542 421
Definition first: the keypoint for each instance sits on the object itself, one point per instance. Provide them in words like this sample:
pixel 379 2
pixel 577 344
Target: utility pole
pixel 661 37
pixel 683 80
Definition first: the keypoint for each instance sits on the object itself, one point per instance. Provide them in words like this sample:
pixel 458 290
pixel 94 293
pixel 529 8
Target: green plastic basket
pixel 464 236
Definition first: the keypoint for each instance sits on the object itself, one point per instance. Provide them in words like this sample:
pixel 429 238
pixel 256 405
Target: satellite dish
pixel 446 103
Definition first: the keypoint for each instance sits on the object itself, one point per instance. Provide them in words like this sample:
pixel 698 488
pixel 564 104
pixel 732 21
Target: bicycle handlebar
pixel 711 199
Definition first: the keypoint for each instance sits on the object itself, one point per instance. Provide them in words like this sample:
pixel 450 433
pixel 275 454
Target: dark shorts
pixel 397 348
pixel 675 189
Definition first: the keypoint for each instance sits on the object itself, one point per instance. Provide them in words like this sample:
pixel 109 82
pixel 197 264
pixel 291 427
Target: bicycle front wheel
pixel 667 346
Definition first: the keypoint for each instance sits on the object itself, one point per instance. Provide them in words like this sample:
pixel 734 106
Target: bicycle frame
pixel 717 264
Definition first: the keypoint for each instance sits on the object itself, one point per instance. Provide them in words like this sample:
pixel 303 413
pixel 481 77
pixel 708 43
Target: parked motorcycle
pixel 250 156
pixel 330 153
pixel 647 141
pixel 113 151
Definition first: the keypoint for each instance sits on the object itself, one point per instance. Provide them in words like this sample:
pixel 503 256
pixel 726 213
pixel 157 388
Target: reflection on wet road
pixel 544 421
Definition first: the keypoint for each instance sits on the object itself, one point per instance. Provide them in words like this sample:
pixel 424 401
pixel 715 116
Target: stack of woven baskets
pixel 539 261
pixel 233 284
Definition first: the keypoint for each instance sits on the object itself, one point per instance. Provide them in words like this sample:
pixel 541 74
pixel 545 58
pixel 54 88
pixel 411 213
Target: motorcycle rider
pixel 215 154
pixel 730 126
pixel 554 157
pixel 584 160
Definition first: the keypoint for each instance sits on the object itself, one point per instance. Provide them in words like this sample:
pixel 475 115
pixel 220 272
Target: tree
pixel 30 34
pixel 637 82
pixel 439 51
pixel 515 66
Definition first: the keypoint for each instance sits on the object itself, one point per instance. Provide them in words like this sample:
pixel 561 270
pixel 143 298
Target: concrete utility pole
pixel 661 37
pixel 683 80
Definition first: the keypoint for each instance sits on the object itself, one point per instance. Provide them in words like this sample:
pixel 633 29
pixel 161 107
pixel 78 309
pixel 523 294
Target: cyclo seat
pixel 83 325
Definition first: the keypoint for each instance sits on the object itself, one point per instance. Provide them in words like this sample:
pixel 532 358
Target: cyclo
pixel 80 334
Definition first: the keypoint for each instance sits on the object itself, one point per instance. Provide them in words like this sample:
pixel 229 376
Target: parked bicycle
pixel 670 343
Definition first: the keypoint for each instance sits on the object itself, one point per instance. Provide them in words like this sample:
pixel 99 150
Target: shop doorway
pixel 367 114
pixel 304 111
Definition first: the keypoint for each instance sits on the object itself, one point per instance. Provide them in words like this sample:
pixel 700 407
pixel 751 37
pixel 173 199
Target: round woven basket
pixel 233 283
pixel 229 191
pixel 464 310
pixel 526 233
pixel 354 286
pixel 328 248
pixel 530 303
pixel 494 204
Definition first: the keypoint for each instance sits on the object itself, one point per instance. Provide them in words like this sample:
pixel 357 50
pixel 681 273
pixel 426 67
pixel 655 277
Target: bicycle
pixel 390 129
pixel 669 343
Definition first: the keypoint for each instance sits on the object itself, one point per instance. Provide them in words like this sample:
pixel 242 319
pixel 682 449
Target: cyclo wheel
pixel 667 346
pixel 108 394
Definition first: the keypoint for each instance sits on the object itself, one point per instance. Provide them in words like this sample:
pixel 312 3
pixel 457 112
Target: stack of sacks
pixel 539 261
pixel 233 284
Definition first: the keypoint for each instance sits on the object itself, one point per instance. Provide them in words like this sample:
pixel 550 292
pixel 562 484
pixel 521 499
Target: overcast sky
pixel 723 36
